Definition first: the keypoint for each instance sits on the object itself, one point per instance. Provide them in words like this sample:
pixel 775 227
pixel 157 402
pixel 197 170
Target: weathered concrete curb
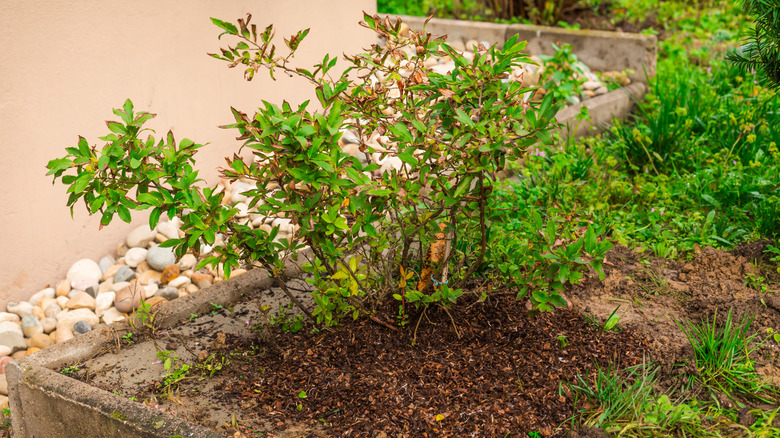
pixel 47 404
pixel 599 50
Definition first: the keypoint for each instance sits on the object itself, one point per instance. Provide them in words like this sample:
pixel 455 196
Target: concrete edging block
pixel 599 50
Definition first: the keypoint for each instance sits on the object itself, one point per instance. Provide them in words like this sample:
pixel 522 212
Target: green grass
pixel 722 353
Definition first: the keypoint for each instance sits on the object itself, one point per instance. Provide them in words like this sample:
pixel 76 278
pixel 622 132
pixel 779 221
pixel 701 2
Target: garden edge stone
pixel 44 402
pixel 600 50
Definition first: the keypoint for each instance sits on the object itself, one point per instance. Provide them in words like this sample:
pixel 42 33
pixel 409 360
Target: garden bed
pixel 496 370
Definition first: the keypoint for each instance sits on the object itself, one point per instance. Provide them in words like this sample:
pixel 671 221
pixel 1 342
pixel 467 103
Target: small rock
pixel 40 340
pixel 81 327
pixel 160 258
pixel 105 263
pixel 202 280
pixel 22 308
pixel 168 229
pixel 601 90
pixel 149 277
pixel 140 237
pixel 31 351
pixel 48 324
pixel 169 274
pixel 63 288
pixel 591 85
pixel 112 315
pixel 71 317
pixel 121 249
pixel 5 350
pixel 85 270
pixel 142 267
pixel 106 286
pixel 31 325
pixel 119 286
pixel 169 293
pixel 81 300
pixel 92 290
pixel 40 295
pixel 179 282
pixel 153 301
pixel 243 209
pixel 191 288
pixel 111 271
pixel 62 301
pixel 63 333
pixel 37 311
pixel 151 289
pixel 239 187
pixel 103 302
pixel 129 298
pixel 82 284
pixel 3 385
pixel 19 354
pixel 135 256
pixel 11 336
pixel 237 272
pixel 124 273
pixel 12 317
pixel 187 261
pixel 51 310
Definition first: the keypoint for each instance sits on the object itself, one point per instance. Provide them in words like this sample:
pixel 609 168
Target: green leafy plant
pixel 212 366
pixel 128 338
pixel 362 221
pixel 562 342
pixel 563 74
pixel 612 321
pixel 174 372
pixel 70 371
pixel 761 50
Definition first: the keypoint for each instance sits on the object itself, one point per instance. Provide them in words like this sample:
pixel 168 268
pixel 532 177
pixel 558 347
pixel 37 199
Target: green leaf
pixel 117 128
pixel 464 118
pixel 128 108
pixel 227 27
pixel 149 198
pixel 123 213
pixel 154 217
pixel 380 192
pixel 58 165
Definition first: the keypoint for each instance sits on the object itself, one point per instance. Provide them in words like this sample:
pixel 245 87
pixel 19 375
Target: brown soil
pixel 496 372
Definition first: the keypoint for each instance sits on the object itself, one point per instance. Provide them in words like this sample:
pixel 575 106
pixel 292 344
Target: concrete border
pixel 47 404
pixel 599 50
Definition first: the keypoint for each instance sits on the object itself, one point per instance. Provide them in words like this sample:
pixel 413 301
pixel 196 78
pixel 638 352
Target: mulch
pixel 498 374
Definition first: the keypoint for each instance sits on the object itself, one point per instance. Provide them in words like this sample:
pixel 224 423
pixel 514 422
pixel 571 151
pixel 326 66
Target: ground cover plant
pixel 696 168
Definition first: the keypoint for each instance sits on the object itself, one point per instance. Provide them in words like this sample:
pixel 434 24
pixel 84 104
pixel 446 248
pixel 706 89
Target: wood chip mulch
pixel 499 375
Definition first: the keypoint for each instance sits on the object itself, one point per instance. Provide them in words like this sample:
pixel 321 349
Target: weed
pixel 722 356
pixel 128 338
pixel 562 342
pixel 70 371
pixel 212 365
pixel 612 321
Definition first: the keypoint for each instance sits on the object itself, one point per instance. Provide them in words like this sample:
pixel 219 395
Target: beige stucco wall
pixel 65 65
